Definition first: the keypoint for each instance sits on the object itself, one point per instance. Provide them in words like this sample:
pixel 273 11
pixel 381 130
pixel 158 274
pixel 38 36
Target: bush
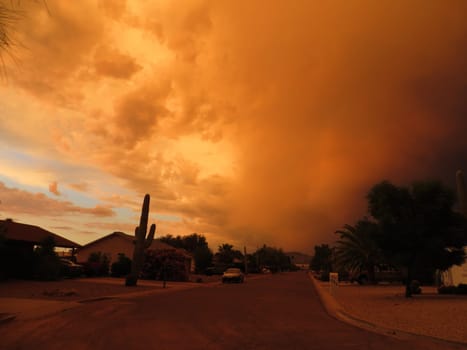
pixel 415 287
pixel 164 265
pixel 460 289
pixel 323 275
pixel 97 265
pixel 446 289
pixel 46 265
pixel 121 267
pixel 47 268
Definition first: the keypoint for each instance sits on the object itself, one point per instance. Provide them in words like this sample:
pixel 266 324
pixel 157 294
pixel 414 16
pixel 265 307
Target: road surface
pixel 272 312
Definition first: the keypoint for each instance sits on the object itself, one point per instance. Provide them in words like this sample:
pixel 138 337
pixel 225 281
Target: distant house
pixel 121 243
pixel 300 260
pixel 21 240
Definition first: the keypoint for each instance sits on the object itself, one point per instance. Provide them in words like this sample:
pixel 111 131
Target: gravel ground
pixel 432 314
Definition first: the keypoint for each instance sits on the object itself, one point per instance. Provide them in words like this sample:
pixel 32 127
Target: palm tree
pixel 357 249
pixel 8 16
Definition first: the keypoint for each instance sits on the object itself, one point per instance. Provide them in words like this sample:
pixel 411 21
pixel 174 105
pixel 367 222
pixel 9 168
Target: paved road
pixel 274 312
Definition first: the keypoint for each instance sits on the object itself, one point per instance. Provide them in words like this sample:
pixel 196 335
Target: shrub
pixel 446 289
pixel 415 287
pixel 46 268
pixel 97 265
pixel 460 289
pixel 121 267
pixel 46 265
pixel 324 275
pixel 166 265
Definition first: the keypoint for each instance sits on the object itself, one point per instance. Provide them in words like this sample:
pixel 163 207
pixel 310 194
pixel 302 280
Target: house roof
pixel 16 231
pixel 156 244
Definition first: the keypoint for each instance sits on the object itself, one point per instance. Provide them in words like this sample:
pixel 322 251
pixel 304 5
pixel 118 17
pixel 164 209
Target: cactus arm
pixel 148 241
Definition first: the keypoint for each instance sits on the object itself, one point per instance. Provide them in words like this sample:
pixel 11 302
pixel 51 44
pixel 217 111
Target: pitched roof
pixel 16 231
pixel 156 244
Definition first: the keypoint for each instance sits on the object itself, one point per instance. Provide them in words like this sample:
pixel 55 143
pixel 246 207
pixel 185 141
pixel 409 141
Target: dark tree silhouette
pixel 322 259
pixel 195 244
pixel 419 228
pixel 226 254
pixel 46 264
pixel 357 248
pixel 273 258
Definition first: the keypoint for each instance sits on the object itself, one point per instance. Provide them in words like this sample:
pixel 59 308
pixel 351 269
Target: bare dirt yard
pixel 86 288
pixel 69 289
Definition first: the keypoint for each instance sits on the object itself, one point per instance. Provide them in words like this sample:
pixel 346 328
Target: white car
pixel 233 275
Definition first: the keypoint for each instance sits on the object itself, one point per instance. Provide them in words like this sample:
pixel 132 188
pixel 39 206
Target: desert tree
pixel 418 227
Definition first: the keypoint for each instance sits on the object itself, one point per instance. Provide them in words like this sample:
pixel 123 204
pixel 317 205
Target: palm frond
pixel 356 247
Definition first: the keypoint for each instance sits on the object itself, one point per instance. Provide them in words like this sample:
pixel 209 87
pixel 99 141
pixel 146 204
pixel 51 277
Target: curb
pixel 335 310
pixel 92 300
pixel 7 318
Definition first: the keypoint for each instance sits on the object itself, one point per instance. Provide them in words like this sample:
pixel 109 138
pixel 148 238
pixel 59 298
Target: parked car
pixel 233 274
pixel 383 273
pixel 70 269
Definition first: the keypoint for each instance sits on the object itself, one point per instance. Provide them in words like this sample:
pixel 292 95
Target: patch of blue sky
pixel 64 171
pixel 14 156
pixel 12 183
pixel 124 214
pixel 77 198
pixel 38 163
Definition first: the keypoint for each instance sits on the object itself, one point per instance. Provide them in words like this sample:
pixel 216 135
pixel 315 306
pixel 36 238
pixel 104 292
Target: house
pixel 21 239
pixel 120 243
pixel 455 275
pixel 25 236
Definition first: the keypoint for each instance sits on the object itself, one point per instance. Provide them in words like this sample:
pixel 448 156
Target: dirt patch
pixel 65 290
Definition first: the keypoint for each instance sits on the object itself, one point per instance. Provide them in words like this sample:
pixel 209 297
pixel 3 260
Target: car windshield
pixel 232 271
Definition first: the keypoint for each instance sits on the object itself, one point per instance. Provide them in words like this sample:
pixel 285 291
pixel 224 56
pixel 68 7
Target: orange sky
pixel 248 122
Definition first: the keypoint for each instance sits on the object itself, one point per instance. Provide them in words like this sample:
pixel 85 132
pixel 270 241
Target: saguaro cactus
pixel 461 192
pixel 141 243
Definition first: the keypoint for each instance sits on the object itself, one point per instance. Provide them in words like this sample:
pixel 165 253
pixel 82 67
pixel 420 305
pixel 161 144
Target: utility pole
pixel 245 260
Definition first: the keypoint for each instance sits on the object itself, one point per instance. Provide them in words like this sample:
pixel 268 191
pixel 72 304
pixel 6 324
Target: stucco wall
pixel 111 246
